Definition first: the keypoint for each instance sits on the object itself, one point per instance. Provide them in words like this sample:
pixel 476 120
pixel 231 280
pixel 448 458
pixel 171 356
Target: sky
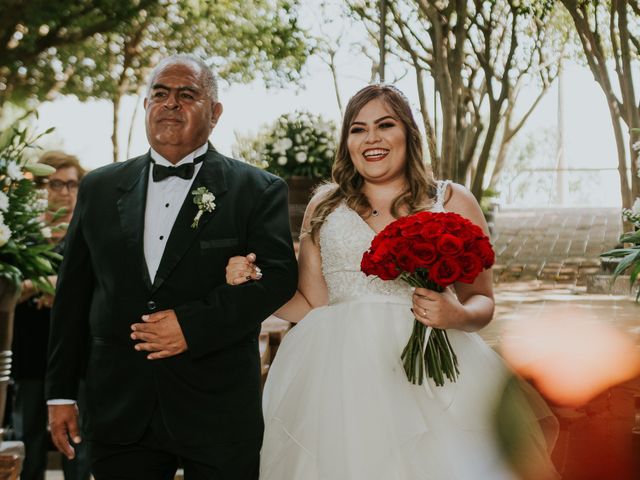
pixel 84 129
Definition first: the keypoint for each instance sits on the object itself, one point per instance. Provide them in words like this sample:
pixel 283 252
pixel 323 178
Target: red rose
pixel 407 261
pixel 445 271
pixel 453 223
pixel 482 248
pixel 388 270
pixel 366 264
pixel 471 267
pixel 416 255
pixel 475 230
pixel 426 251
pixel 450 245
pixel 412 229
pixel 468 236
pixel 383 267
pixel 399 244
pixel 431 229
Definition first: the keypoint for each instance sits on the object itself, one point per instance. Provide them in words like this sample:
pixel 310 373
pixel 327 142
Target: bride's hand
pixel 242 269
pixel 438 310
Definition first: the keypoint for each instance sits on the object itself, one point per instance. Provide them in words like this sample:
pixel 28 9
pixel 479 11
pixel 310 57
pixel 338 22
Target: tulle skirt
pixel 338 405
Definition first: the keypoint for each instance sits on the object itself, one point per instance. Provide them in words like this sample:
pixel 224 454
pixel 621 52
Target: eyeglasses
pixel 59 185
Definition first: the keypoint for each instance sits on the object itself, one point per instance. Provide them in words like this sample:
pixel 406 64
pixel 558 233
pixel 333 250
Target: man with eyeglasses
pixel 31 333
pixel 62 188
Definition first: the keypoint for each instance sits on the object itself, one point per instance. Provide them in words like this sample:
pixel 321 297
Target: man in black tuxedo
pixel 171 351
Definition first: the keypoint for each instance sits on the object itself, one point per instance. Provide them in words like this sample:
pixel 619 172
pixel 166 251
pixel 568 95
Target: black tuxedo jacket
pixel 211 393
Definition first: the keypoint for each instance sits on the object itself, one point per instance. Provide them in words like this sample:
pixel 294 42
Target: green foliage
pixel 630 255
pixel 32 33
pixel 24 250
pixel 241 40
pixel 296 144
pixel 540 8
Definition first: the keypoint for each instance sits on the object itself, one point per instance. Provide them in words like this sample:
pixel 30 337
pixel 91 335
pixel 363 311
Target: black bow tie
pixel 185 171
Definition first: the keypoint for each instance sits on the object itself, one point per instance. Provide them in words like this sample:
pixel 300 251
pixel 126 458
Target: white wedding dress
pixel 337 403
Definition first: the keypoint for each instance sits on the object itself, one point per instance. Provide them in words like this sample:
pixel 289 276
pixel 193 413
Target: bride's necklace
pixel 376 212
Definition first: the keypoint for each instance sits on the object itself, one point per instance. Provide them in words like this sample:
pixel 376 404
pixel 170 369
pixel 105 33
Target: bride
pixel 337 403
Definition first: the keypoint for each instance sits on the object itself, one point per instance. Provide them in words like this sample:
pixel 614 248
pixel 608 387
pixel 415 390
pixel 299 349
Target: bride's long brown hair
pixel 347 182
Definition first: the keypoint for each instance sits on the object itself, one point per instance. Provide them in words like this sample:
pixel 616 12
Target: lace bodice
pixel 344 237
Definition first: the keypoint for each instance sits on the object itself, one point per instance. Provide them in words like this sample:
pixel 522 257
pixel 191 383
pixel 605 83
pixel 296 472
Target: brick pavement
pixel 556 246
pixel 543 257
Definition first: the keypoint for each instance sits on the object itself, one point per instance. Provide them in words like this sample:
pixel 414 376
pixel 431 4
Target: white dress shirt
pixel 164 200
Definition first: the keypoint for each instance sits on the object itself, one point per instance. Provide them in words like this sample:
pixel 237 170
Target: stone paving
pixel 555 246
pixel 543 258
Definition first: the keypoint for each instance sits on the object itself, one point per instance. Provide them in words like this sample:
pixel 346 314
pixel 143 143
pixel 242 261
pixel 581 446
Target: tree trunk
pixel 448 158
pixel 334 76
pixel 133 122
pixel 424 111
pixel 483 159
pixel 625 191
pixel 116 118
pixel 500 161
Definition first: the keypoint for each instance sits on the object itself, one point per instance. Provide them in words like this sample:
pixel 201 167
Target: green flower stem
pixel 436 359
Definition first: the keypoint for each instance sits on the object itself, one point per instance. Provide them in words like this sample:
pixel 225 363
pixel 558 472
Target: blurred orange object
pixel 570 356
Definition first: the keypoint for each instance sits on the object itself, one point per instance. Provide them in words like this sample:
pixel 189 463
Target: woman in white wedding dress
pixel 337 402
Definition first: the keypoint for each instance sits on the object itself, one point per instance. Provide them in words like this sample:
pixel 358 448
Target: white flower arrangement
pixel 14 171
pixel 25 252
pixel 205 201
pixel 296 144
pixel 4 202
pixel 5 234
pixel 633 214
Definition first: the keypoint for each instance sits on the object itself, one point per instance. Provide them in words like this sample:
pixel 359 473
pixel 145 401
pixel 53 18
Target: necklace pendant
pixel 375 213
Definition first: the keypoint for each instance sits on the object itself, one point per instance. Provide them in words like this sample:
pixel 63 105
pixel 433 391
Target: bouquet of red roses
pixel 429 250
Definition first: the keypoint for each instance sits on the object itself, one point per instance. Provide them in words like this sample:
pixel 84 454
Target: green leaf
pixel 626 263
pixel 39 169
pixel 619 252
pixel 630 237
pixel 634 275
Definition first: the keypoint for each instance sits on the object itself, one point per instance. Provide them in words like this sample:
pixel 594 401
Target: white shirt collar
pixel 160 160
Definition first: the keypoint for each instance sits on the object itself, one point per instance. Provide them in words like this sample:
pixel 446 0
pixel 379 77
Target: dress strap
pixel 441 191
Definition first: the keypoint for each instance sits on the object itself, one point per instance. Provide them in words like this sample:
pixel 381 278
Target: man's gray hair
pixel 209 80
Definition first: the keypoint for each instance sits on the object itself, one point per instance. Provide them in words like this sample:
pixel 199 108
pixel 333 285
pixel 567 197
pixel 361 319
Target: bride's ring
pixel 424 312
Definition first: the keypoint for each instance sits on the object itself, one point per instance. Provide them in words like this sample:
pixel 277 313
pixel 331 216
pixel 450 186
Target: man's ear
pixel 216 111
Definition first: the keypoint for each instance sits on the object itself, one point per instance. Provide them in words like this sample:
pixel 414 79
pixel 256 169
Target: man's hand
pixel 242 269
pixel 63 422
pixel 160 334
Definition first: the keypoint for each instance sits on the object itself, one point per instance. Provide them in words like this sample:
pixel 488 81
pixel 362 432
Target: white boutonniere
pixel 205 201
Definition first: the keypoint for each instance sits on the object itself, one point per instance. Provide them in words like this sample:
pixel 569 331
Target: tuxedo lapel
pixel 131 207
pixel 212 177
